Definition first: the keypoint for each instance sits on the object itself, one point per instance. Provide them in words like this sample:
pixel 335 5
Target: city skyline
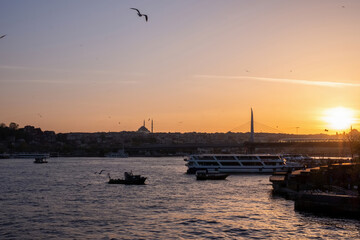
pixel 194 66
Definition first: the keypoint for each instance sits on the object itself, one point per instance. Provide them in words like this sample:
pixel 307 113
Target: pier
pixel 331 189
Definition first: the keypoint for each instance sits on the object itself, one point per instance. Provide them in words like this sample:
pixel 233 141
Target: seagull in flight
pixel 3 36
pixel 99 172
pixel 139 14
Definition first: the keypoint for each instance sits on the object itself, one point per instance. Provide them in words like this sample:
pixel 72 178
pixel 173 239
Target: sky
pixel 195 66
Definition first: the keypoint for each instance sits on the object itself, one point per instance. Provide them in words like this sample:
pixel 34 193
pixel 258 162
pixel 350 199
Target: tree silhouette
pixel 13 126
pixel 353 137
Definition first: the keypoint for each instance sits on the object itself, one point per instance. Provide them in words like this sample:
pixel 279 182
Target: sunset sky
pixel 199 65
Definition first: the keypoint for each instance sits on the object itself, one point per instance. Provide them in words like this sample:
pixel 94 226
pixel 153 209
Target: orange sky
pixel 195 66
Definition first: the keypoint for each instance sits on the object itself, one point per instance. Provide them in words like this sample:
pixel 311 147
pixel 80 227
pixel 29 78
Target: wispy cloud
pixel 284 80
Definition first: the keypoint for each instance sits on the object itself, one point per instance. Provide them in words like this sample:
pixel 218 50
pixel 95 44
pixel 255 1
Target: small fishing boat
pixel 40 160
pixel 130 179
pixel 210 175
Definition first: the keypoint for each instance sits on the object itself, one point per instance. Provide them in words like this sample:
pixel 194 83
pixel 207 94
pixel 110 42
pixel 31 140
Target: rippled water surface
pixel 65 199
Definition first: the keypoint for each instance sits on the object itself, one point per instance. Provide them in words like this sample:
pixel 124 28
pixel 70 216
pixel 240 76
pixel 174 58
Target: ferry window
pixel 225 158
pixel 252 163
pixel 202 163
pixel 230 163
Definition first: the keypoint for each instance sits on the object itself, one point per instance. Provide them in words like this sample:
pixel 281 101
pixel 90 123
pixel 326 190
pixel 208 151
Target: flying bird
pixel 3 36
pixel 139 14
pixel 99 172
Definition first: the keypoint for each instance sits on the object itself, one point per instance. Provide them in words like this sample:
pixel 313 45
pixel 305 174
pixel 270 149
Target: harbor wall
pixel 328 190
pixel 329 204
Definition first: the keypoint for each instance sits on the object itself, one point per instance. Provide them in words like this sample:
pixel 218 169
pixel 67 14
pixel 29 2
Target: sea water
pixel 67 198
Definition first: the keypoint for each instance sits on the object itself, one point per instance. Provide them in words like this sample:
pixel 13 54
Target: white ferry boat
pixel 235 163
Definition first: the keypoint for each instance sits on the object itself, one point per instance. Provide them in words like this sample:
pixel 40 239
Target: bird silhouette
pixel 99 172
pixel 3 36
pixel 140 14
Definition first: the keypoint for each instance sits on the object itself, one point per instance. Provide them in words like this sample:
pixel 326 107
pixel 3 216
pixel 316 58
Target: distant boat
pixel 295 157
pixel 40 160
pixel 119 154
pixel 30 155
pixel 130 179
pixel 296 161
pixel 210 175
pixel 4 155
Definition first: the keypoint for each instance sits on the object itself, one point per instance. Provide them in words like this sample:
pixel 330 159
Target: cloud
pixel 284 80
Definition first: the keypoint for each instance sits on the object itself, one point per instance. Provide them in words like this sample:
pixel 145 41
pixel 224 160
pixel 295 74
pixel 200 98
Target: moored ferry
pixel 235 163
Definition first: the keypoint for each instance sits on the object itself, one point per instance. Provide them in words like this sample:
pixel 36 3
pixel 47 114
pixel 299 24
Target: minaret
pixel 152 126
pixel 252 127
pixel 144 123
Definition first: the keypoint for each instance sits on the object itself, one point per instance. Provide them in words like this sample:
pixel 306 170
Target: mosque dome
pixel 143 129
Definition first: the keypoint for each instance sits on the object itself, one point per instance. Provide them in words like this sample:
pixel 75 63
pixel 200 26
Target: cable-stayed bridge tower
pixel 252 127
pixel 251 148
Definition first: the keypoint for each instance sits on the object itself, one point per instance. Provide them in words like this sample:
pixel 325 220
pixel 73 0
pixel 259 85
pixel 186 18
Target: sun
pixel 339 118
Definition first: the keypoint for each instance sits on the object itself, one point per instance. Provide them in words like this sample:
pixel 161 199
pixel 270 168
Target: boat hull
pixel 40 160
pixel 140 181
pixel 212 177
pixel 238 170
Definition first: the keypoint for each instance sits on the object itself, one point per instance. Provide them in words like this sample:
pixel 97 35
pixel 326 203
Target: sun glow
pixel 339 118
